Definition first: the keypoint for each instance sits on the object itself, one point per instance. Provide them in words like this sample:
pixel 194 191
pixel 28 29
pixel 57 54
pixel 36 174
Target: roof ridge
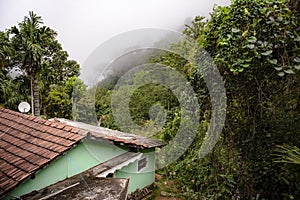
pixel 25 116
pixel 54 124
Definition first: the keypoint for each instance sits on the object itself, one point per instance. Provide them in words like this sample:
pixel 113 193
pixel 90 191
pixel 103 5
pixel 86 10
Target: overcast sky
pixel 82 25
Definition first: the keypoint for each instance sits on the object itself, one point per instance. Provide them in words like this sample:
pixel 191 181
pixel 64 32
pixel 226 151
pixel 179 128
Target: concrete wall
pixel 138 179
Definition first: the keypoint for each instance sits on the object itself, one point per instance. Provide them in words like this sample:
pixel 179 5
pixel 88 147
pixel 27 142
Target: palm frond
pixel 288 154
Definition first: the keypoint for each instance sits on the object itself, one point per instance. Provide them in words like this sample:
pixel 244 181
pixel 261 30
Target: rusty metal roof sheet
pixel 82 187
pixel 28 143
pixel 118 137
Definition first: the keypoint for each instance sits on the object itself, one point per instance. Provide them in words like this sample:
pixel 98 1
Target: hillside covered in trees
pixel 255 45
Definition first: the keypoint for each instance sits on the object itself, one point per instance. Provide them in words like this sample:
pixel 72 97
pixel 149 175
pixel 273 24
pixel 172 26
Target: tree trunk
pixel 3 62
pixel 36 100
pixel 31 95
pixel 74 108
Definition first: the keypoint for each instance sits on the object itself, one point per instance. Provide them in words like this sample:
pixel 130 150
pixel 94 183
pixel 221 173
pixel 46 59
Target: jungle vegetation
pixel 255 45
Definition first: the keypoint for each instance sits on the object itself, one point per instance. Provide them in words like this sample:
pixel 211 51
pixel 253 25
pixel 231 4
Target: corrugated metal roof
pixel 82 187
pixel 29 143
pixel 115 164
pixel 117 137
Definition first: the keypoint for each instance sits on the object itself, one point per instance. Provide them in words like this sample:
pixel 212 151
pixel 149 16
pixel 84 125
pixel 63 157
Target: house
pixel 36 153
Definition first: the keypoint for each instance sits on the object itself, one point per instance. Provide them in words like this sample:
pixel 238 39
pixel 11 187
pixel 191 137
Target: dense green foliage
pixel 33 63
pixel 256 47
pixel 61 99
pixel 12 92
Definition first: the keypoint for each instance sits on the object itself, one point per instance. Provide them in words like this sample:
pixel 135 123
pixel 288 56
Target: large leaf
pixel 289 71
pixel 252 39
pixel 267 53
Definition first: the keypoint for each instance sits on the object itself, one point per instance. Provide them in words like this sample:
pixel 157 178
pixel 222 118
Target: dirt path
pixel 164 189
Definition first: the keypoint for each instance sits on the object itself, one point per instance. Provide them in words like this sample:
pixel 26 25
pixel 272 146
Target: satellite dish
pixel 24 107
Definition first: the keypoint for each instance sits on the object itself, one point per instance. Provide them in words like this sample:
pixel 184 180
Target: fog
pixel 83 25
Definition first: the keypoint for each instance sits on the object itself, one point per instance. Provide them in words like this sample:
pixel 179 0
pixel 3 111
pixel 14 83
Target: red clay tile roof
pixel 28 143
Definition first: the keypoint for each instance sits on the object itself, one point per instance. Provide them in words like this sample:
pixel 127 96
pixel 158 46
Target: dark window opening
pixel 142 164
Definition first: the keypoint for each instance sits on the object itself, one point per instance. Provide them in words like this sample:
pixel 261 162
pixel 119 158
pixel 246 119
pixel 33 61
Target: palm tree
pixel 32 42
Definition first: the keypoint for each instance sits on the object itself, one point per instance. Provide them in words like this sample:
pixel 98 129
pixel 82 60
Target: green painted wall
pixel 140 179
pixel 84 156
